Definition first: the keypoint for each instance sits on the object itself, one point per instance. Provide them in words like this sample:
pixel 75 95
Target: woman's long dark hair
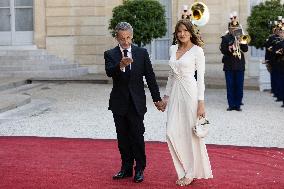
pixel 195 38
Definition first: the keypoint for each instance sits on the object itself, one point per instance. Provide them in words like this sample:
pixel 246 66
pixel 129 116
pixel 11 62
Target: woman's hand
pixel 165 100
pixel 201 109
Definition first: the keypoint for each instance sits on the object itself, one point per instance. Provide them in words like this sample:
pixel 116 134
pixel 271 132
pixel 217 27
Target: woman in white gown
pixel 185 104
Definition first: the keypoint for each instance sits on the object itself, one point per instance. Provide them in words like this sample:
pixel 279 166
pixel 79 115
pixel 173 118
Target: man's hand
pixel 165 100
pixel 231 47
pixel 160 105
pixel 125 61
pixel 280 51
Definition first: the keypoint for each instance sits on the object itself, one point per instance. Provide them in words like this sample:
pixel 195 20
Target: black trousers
pixel 130 135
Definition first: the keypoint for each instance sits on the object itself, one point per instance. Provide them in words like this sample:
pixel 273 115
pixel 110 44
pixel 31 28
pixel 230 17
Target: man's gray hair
pixel 123 26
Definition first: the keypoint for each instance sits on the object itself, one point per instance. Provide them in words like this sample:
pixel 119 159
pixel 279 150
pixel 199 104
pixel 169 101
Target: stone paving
pixel 80 111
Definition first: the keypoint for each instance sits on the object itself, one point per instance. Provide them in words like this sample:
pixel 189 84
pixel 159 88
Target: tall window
pixel 159 48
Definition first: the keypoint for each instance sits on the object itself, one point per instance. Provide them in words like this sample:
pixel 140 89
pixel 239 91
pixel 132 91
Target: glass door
pixel 16 22
pixel 5 23
pixel 23 25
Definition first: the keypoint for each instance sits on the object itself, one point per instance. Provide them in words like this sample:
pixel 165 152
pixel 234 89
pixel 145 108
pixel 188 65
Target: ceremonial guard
pixel 278 53
pixel 270 61
pixel 233 46
pixel 269 58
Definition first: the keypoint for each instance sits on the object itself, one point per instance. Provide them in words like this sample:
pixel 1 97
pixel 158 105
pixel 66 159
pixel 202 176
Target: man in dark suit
pixel 234 65
pixel 127 64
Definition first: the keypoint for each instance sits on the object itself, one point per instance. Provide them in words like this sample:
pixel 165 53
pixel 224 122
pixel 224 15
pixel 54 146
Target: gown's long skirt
pixel 188 152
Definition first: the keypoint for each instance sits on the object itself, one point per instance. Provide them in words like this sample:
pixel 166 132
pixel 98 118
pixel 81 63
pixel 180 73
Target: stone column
pixel 39 24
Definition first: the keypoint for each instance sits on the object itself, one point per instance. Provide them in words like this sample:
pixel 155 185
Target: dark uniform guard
pixel 274 59
pixel 278 53
pixel 271 63
pixel 234 64
pixel 269 59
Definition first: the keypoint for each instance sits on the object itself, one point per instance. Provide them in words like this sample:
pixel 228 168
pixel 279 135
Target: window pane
pixel 23 2
pixel 162 45
pixel 4 3
pixel 167 6
pixel 162 49
pixel 24 19
pixel 5 20
pixel 257 52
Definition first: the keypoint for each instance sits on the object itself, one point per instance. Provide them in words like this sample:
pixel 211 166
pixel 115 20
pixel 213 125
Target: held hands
pixel 161 105
pixel 125 61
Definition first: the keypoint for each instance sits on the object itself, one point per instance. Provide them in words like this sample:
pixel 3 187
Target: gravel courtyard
pixel 77 110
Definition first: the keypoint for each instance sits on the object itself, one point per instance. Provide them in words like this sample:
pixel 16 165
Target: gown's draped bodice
pixel 184 69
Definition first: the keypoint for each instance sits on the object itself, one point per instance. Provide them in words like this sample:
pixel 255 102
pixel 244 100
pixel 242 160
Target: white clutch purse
pixel 201 127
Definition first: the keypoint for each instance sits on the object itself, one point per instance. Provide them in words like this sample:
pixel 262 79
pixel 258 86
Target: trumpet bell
pixel 200 13
pixel 245 39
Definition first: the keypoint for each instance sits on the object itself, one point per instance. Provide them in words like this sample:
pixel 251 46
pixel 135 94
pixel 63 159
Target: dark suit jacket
pixel 125 86
pixel 230 61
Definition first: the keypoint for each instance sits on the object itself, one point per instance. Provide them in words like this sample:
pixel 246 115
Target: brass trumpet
pixel 240 38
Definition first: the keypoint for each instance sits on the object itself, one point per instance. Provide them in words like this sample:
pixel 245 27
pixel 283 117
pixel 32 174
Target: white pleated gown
pixel 188 152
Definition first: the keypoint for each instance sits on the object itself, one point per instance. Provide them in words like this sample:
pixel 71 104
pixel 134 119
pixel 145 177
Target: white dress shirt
pixel 129 54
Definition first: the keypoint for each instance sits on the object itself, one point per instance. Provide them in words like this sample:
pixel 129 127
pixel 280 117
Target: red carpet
pixel 32 163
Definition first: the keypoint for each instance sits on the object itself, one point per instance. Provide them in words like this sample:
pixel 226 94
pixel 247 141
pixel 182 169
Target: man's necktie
pixel 127 68
pixel 125 52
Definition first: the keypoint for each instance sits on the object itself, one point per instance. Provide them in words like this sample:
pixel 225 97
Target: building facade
pixel 78 29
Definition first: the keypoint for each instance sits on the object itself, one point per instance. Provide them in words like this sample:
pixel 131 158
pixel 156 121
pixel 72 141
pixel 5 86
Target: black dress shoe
pixel 139 177
pixel 123 174
pixel 230 109
pixel 238 109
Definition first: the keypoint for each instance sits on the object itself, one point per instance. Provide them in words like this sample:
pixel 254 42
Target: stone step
pixel 37 63
pixel 33 62
pixel 12 101
pixel 9 83
pixel 38 67
pixel 36 52
pixel 14 92
pixel 23 88
pixel 65 73
pixel 30 57
pixel 26 57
